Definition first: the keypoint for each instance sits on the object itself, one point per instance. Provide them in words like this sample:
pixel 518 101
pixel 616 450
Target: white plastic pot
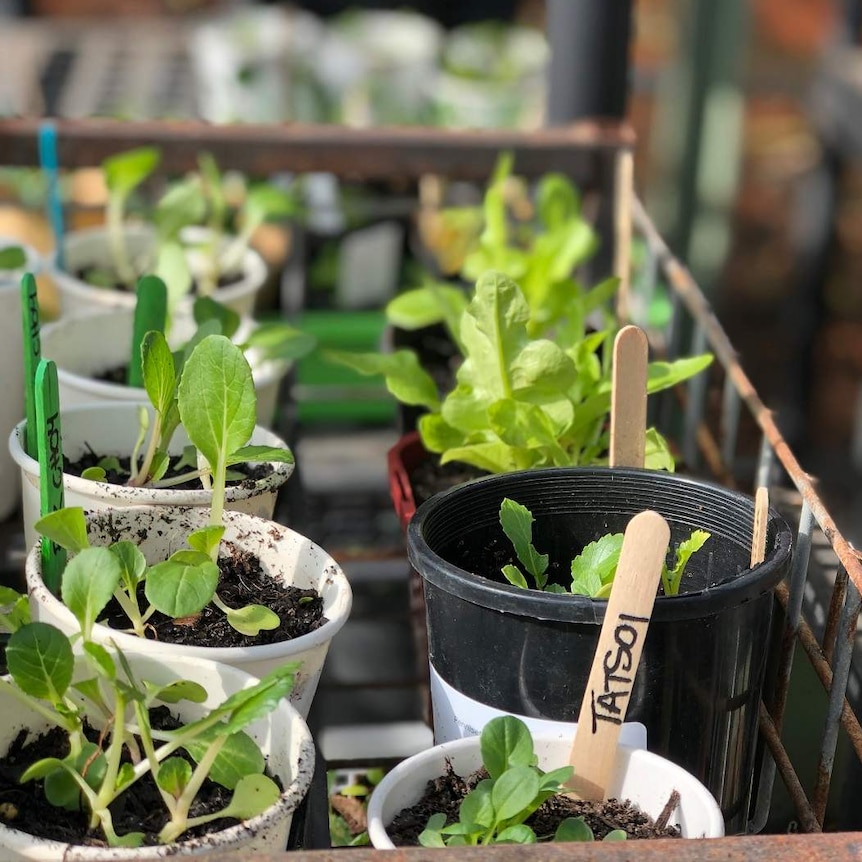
pixel 285 555
pixel 111 429
pixel 11 361
pixel 282 735
pixel 91 247
pixel 640 776
pixel 84 347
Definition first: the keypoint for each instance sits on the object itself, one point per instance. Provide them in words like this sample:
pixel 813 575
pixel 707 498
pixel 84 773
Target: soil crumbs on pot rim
pixel 141 809
pixel 445 794
pixel 242 581
pixel 251 473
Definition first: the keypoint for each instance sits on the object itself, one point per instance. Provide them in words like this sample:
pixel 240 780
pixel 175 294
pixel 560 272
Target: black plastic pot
pixel 699 683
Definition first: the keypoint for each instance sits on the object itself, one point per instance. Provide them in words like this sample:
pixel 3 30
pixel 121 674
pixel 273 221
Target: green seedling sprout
pixel 124 172
pixel 496 810
pixel 91 778
pixel 12 257
pixel 593 569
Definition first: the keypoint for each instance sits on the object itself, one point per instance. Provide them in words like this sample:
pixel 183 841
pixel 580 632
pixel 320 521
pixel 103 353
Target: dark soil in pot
pixel 25 808
pixel 445 794
pixel 251 473
pixel 242 581
pixel 95 277
pixel 431 477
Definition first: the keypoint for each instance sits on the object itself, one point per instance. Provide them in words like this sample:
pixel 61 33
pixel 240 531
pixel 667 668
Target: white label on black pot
pixel 457 716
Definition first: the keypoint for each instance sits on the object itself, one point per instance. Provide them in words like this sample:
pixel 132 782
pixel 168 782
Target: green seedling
pixel 593 569
pixel 215 400
pixel 124 172
pixel 519 401
pixel 105 689
pixel 496 810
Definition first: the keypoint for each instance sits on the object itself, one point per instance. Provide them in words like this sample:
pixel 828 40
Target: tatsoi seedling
pixel 496 810
pixel 593 569
pixel 92 777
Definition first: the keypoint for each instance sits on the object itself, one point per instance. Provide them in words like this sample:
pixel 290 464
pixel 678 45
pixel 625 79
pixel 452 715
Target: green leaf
pixel 505 741
pixel 125 171
pixel 174 692
pixel 183 584
pixel 66 527
pixel 477 807
pixel 239 756
pixel 663 375
pixel 252 619
pixel 132 562
pixel 159 465
pixel 39 658
pixel 172 267
pixel 12 257
pixel 253 795
pixel 206 308
pixel 515 577
pixel 101 659
pixel 657 454
pixel 405 377
pixel 181 205
pixel 518 834
pixel 94 474
pixel 513 791
pixel 206 540
pixel 14 609
pixel 88 584
pixel 684 552
pixel 60 786
pixel 246 706
pixel 266 201
pixel 160 379
pixel 597 563
pixel 557 200
pixel 278 340
pixel 130 839
pixel 258 454
pixel 430 836
pixel 217 398
pixel 517 523
pixel 174 775
pixel 616 835
pixel 573 829
pixel 426 306
pixel 554 780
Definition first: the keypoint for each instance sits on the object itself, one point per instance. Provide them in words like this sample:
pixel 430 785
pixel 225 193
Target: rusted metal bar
pixel 837 847
pixel 684 285
pixel 837 693
pixel 808 641
pixel 585 151
pixel 836 603
pixel 807 818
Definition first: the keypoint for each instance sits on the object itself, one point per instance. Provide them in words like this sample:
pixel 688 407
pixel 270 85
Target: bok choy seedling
pixel 496 810
pixel 592 570
pixel 101 685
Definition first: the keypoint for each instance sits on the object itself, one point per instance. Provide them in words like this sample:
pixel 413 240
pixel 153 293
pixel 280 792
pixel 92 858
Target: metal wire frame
pixel 596 157
pixel 831 658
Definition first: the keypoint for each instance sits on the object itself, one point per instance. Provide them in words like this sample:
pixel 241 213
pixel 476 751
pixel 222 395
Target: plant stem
pixel 140 478
pixel 178 480
pixel 114 220
pixel 217 505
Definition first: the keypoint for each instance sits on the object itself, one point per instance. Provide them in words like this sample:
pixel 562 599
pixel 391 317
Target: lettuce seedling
pixel 496 810
pixel 92 777
pixel 593 569
pixel 12 257
pixel 124 172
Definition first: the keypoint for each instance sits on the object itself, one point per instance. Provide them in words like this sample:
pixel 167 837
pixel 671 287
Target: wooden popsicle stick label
pixel 618 653
pixel 32 343
pixel 629 398
pixel 50 451
pixel 761 516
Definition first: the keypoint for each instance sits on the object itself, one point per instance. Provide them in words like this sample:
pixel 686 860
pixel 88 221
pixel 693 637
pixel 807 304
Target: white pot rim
pixel 288 800
pixel 336 614
pixel 250 277
pixel 281 472
pixel 436 755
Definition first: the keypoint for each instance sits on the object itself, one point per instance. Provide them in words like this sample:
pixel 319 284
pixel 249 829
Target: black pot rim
pixel 568 608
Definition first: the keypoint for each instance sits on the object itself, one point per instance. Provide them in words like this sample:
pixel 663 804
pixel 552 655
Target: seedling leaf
pixel 66 527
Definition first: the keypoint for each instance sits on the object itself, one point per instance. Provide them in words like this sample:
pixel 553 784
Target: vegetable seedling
pixel 216 400
pixel 92 777
pixel 592 570
pixel 496 810
pixel 621 639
